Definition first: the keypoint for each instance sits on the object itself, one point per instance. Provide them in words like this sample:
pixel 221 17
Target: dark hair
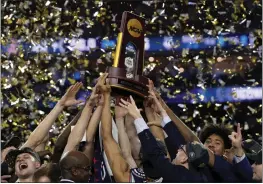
pixel 50 170
pixel 220 130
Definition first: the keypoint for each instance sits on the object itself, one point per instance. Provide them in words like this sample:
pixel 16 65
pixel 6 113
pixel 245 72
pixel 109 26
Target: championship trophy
pixel 125 76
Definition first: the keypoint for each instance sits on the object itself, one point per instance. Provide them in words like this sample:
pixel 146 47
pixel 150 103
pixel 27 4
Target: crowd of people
pixel 137 145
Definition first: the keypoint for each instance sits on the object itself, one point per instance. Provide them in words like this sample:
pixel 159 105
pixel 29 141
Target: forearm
pixel 123 138
pixel 42 145
pixel 124 142
pixel 106 119
pixel 186 132
pixel 157 132
pixel 149 114
pixel 78 131
pixel 42 129
pixel 63 138
pixel 133 137
pixel 91 131
pixel 93 124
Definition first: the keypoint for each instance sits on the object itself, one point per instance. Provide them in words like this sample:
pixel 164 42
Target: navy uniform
pixel 168 171
pixel 223 171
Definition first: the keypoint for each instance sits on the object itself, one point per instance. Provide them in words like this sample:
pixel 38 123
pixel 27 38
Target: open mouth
pixel 23 166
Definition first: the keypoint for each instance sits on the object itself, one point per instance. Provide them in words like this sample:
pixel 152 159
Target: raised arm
pixel 79 130
pixel 242 166
pixel 134 139
pixel 42 146
pixel 124 142
pixel 119 166
pixel 170 172
pixel 186 132
pixel 37 136
pixel 153 120
pixel 63 138
pixel 91 130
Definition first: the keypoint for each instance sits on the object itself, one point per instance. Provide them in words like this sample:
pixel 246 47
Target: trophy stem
pixel 118 50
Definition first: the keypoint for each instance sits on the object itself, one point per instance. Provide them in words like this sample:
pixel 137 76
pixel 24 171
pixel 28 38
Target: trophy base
pixel 122 86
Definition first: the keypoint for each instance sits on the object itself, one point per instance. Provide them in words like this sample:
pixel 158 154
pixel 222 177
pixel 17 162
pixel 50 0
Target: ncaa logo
pixel 134 27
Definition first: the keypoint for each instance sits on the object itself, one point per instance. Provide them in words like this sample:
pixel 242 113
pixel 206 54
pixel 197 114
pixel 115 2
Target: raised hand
pixel 236 138
pixel 158 107
pixel 131 107
pixel 102 87
pixel 158 96
pixel 149 111
pixel 147 103
pixel 150 85
pixel 94 97
pixel 69 98
pixel 152 88
pixel 120 112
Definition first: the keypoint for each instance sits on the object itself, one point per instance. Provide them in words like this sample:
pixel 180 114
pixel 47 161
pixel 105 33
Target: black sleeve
pixel 174 139
pixel 4 169
pixel 167 170
pixel 224 170
pixel 243 170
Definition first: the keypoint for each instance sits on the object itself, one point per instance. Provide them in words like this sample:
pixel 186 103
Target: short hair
pixel 220 130
pixel 50 170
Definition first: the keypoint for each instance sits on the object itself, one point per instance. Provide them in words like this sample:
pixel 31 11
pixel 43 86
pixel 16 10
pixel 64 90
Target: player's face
pixel 216 144
pixel 181 156
pixel 25 165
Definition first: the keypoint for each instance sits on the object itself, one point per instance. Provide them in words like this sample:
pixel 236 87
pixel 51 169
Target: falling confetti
pixel 33 82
